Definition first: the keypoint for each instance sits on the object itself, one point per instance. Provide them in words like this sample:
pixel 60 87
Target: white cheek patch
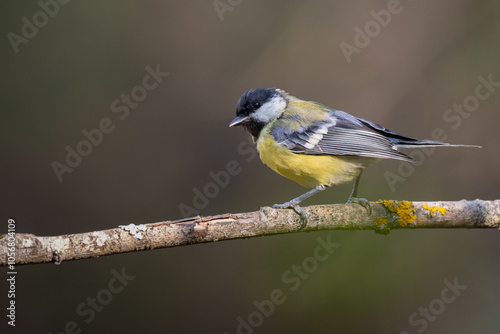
pixel 270 110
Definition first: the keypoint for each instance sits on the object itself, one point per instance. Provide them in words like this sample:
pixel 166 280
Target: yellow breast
pixel 307 170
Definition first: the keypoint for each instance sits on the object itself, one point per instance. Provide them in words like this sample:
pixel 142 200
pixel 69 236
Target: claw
pixel 286 205
pixel 294 204
pixel 297 209
pixel 361 201
pixel 302 214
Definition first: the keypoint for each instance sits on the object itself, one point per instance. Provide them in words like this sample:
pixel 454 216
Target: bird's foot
pixel 294 205
pixel 361 201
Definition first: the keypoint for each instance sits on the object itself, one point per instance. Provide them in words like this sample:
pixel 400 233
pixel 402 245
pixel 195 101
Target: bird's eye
pixel 256 105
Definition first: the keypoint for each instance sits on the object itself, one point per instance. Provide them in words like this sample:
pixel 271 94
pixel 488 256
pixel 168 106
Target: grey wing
pixel 340 134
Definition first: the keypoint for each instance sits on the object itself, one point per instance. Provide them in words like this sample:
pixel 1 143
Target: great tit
pixel 317 146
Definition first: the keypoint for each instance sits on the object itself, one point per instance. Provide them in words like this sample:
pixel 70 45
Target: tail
pixel 407 142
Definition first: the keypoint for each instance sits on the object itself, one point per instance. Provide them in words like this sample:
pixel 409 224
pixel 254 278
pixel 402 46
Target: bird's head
pixel 258 107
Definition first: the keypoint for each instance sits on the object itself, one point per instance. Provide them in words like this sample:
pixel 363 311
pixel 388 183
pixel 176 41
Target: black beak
pixel 239 120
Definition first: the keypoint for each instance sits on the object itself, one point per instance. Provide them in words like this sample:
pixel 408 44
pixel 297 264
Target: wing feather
pixel 339 134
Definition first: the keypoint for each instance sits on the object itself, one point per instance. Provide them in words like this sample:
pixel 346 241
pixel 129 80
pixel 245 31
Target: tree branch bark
pixel 385 216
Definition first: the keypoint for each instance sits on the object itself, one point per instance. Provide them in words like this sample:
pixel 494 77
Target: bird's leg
pixel 354 196
pixel 294 204
pixel 354 193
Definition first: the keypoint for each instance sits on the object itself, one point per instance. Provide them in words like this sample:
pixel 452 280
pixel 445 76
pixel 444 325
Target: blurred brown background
pixel 64 79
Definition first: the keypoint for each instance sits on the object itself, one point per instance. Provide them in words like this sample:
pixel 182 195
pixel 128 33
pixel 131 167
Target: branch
pixel 385 216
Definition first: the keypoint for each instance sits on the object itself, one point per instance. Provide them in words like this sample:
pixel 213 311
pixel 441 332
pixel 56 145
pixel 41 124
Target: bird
pixel 315 145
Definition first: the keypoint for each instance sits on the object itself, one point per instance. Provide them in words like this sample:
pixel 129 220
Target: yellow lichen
pixel 382 226
pixel 433 209
pixel 404 209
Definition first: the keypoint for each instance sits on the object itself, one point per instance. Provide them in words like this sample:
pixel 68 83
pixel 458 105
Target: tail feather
pixel 407 142
pixel 415 143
